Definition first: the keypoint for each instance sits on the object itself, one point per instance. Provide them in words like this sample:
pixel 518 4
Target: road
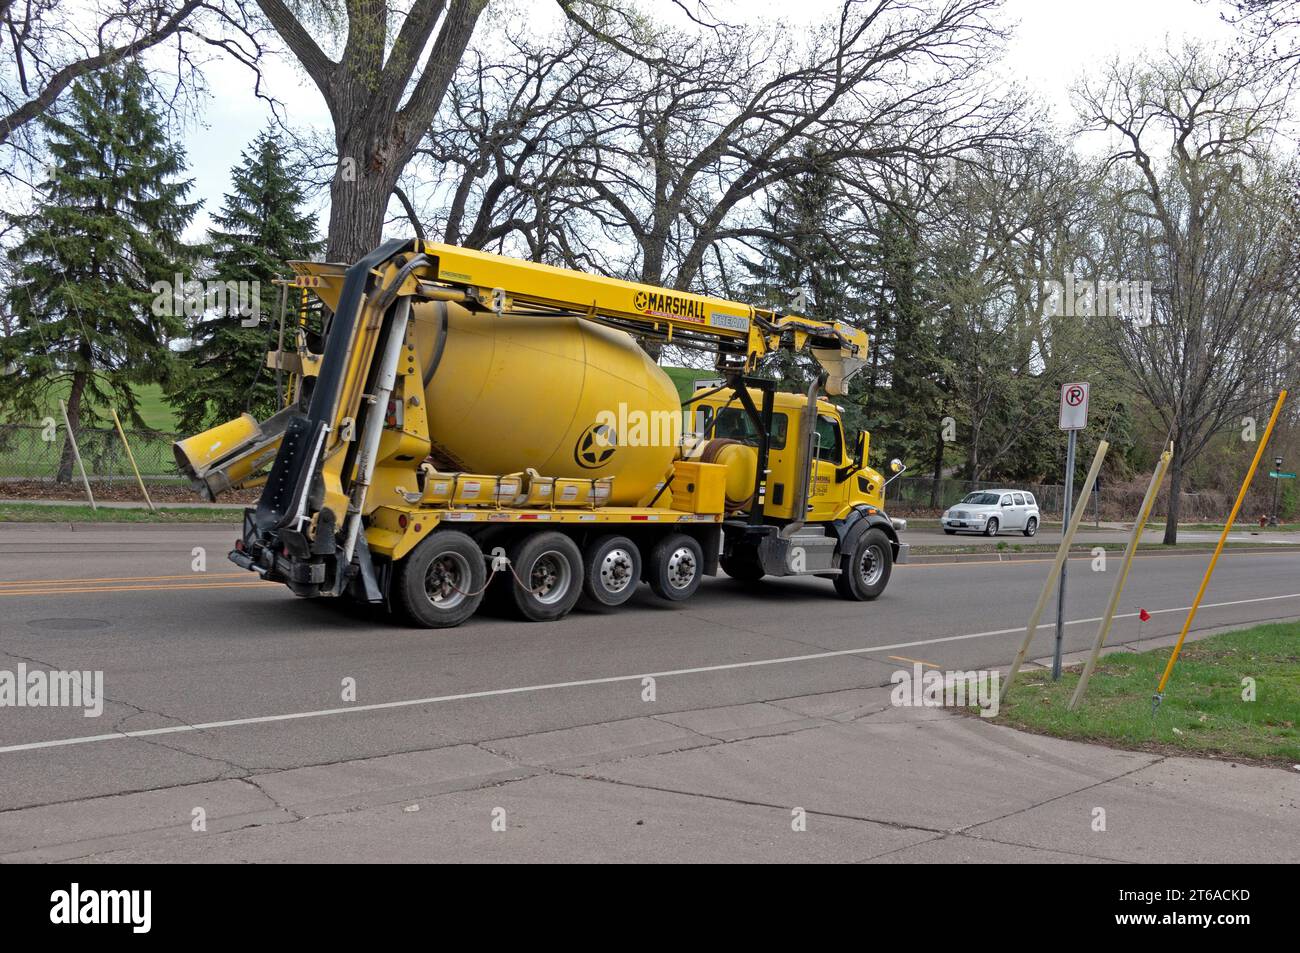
pixel 232 682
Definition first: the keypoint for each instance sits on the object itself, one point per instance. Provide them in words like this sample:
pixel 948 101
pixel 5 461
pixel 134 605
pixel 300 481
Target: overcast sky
pixel 1054 42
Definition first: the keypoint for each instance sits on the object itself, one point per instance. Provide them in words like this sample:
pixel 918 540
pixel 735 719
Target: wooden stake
pixel 1061 554
pixel 1103 629
pixel 131 456
pixel 72 439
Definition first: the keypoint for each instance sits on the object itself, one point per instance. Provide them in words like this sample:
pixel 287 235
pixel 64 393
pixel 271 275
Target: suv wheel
pixel 992 528
pixel 1032 526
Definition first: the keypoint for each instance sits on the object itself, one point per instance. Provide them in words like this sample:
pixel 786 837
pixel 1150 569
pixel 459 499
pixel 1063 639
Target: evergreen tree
pixel 259 228
pixel 108 227
pixel 807 266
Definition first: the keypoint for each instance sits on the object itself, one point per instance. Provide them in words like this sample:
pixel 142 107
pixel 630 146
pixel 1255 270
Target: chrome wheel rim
pixel 446 579
pixel 615 570
pixel 681 567
pixel 871 566
pixel 550 578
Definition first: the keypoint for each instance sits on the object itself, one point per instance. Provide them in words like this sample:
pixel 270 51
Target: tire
pixel 743 566
pixel 611 571
pixel 865 570
pixel 439 584
pixel 992 528
pixel 1031 527
pixel 676 567
pixel 550 564
pixel 950 532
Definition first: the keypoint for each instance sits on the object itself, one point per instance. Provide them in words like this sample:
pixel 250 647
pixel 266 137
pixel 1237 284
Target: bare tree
pixel 382 92
pixel 49 45
pixel 498 158
pixel 1200 209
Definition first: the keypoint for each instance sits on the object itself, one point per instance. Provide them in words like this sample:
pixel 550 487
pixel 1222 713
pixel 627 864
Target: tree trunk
pixel 358 204
pixel 67 461
pixel 1175 495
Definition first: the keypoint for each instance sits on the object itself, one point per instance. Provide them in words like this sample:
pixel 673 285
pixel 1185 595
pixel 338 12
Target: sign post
pixel 1277 474
pixel 1073 418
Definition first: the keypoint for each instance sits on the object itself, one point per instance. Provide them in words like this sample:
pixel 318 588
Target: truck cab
pixel 833 524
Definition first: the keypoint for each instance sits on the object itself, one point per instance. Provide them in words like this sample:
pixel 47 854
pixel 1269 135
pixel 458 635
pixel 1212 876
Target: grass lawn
pixel 685 377
pixel 155 410
pixel 1203 712
pixel 82 513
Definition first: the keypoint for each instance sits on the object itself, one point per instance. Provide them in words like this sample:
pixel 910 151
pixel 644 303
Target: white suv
pixel 992 511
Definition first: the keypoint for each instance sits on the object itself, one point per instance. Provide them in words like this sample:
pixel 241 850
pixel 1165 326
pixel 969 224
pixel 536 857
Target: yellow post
pixel 1103 628
pixel 1223 538
pixel 1061 554
pixel 131 456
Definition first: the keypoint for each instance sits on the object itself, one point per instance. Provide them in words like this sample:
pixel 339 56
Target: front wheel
pixel 950 532
pixel 676 567
pixel 992 528
pixel 1031 527
pixel 440 583
pixel 865 569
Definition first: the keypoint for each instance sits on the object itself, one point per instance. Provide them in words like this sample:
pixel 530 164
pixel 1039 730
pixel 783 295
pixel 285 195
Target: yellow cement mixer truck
pixel 460 425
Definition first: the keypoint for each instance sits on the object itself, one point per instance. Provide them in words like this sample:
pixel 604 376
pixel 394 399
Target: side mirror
pixel 896 466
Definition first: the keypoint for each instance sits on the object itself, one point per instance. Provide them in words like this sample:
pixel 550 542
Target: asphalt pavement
pixel 242 723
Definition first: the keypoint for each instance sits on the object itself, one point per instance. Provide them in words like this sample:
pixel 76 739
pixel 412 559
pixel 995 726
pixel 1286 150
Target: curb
pixel 994 556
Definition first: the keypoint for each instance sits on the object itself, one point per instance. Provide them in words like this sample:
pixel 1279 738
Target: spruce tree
pixel 108 226
pixel 259 228
pixel 807 266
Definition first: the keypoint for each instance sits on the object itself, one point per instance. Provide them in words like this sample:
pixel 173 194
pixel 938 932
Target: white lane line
pixel 524 689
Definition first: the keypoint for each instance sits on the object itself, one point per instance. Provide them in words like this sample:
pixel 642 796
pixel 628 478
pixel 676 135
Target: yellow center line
pixel 59 582
pixel 904 658
pixel 257 584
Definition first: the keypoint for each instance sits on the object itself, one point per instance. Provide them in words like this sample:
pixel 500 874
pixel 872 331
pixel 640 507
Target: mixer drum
pixel 559 394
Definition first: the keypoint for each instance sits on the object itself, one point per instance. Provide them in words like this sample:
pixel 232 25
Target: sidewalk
pixel 877 783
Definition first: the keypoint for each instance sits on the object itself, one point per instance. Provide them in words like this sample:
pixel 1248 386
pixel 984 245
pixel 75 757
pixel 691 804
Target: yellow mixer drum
pixel 562 395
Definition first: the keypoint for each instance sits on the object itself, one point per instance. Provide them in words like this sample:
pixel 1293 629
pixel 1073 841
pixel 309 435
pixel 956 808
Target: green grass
pixel 684 379
pixel 1203 712
pixel 157 413
pixel 82 513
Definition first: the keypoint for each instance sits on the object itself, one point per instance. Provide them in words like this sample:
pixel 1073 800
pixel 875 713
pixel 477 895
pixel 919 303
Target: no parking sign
pixel 1074 406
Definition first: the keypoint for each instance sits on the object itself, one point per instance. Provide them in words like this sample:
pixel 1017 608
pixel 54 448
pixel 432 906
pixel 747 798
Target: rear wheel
pixel 1032 526
pixel 440 583
pixel 865 569
pixel 612 570
pixel 676 567
pixel 992 528
pixel 550 566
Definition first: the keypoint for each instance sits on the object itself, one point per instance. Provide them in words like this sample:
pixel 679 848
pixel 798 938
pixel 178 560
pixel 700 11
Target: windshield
pixel 982 499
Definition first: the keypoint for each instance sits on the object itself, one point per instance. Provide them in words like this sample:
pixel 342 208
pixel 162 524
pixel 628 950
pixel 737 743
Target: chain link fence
pixel 34 453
